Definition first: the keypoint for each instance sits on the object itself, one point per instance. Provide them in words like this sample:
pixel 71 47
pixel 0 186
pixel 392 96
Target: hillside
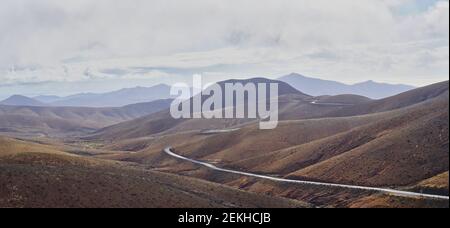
pixel 398 142
pixel 293 105
pixel 437 184
pixel 390 153
pixel 342 150
pixel 61 121
pixel 36 176
pixel 395 102
pixel 345 99
pixel 405 147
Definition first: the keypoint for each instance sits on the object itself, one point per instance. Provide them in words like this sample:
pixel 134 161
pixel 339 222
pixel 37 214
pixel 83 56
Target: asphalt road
pixel 330 104
pixel 168 151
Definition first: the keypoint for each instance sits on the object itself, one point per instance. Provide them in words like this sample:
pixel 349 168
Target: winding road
pixel 213 132
pixel 169 151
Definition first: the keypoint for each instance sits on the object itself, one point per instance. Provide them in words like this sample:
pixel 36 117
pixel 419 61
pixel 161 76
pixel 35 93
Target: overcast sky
pixel 62 47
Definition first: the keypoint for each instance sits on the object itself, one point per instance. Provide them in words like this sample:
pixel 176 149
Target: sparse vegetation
pixel 398 142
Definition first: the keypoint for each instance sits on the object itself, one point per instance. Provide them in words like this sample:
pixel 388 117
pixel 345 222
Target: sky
pixel 72 46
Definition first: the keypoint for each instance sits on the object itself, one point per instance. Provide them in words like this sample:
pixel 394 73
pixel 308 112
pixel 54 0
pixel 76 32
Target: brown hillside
pixel 61 121
pixel 32 175
pixel 293 106
pixel 440 181
pixel 400 147
pixel 406 99
pixel 349 99
pixel 401 155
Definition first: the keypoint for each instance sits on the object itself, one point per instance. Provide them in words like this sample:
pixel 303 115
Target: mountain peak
pixel 117 98
pixel 16 96
pixel 20 100
pixel 319 87
pixel 293 74
pixel 367 82
pixel 162 85
pixel 283 87
pixel 158 86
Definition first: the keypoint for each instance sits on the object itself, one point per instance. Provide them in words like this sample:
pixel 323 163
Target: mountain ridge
pixel 70 120
pixel 117 98
pixel 319 87
pixel 19 100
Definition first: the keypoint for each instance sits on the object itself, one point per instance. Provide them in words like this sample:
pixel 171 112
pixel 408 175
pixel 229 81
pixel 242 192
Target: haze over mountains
pixel 18 100
pixel 398 142
pixel 293 104
pixel 63 121
pixel 317 87
pixel 119 98
pixel 87 118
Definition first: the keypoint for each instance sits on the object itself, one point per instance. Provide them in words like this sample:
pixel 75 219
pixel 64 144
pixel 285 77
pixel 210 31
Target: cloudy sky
pixel 63 47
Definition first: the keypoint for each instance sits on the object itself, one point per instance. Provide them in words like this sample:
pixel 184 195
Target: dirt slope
pixel 62 121
pixel 402 148
pixel 33 175
pixel 402 100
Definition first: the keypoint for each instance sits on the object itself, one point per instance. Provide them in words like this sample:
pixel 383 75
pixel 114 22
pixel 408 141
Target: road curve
pixel 168 151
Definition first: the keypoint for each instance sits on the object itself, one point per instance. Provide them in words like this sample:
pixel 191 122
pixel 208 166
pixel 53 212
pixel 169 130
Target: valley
pixel 327 151
pixel 197 105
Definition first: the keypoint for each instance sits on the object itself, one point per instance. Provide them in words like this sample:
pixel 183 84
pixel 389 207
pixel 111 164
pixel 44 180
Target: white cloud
pixel 431 24
pixel 343 40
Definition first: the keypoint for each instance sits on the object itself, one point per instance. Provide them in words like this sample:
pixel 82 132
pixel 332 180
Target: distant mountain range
pixel 30 120
pixel 18 100
pixel 48 99
pixel 318 87
pixel 113 99
pixel 116 98
pixel 293 105
pixel 119 98
pixel 399 142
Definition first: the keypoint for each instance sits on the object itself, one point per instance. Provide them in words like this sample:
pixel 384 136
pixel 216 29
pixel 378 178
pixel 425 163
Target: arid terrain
pixel 44 121
pixel 37 175
pixel 224 104
pixel 114 157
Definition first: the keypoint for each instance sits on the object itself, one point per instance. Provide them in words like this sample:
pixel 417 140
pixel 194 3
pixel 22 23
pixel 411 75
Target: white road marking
pixel 168 151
